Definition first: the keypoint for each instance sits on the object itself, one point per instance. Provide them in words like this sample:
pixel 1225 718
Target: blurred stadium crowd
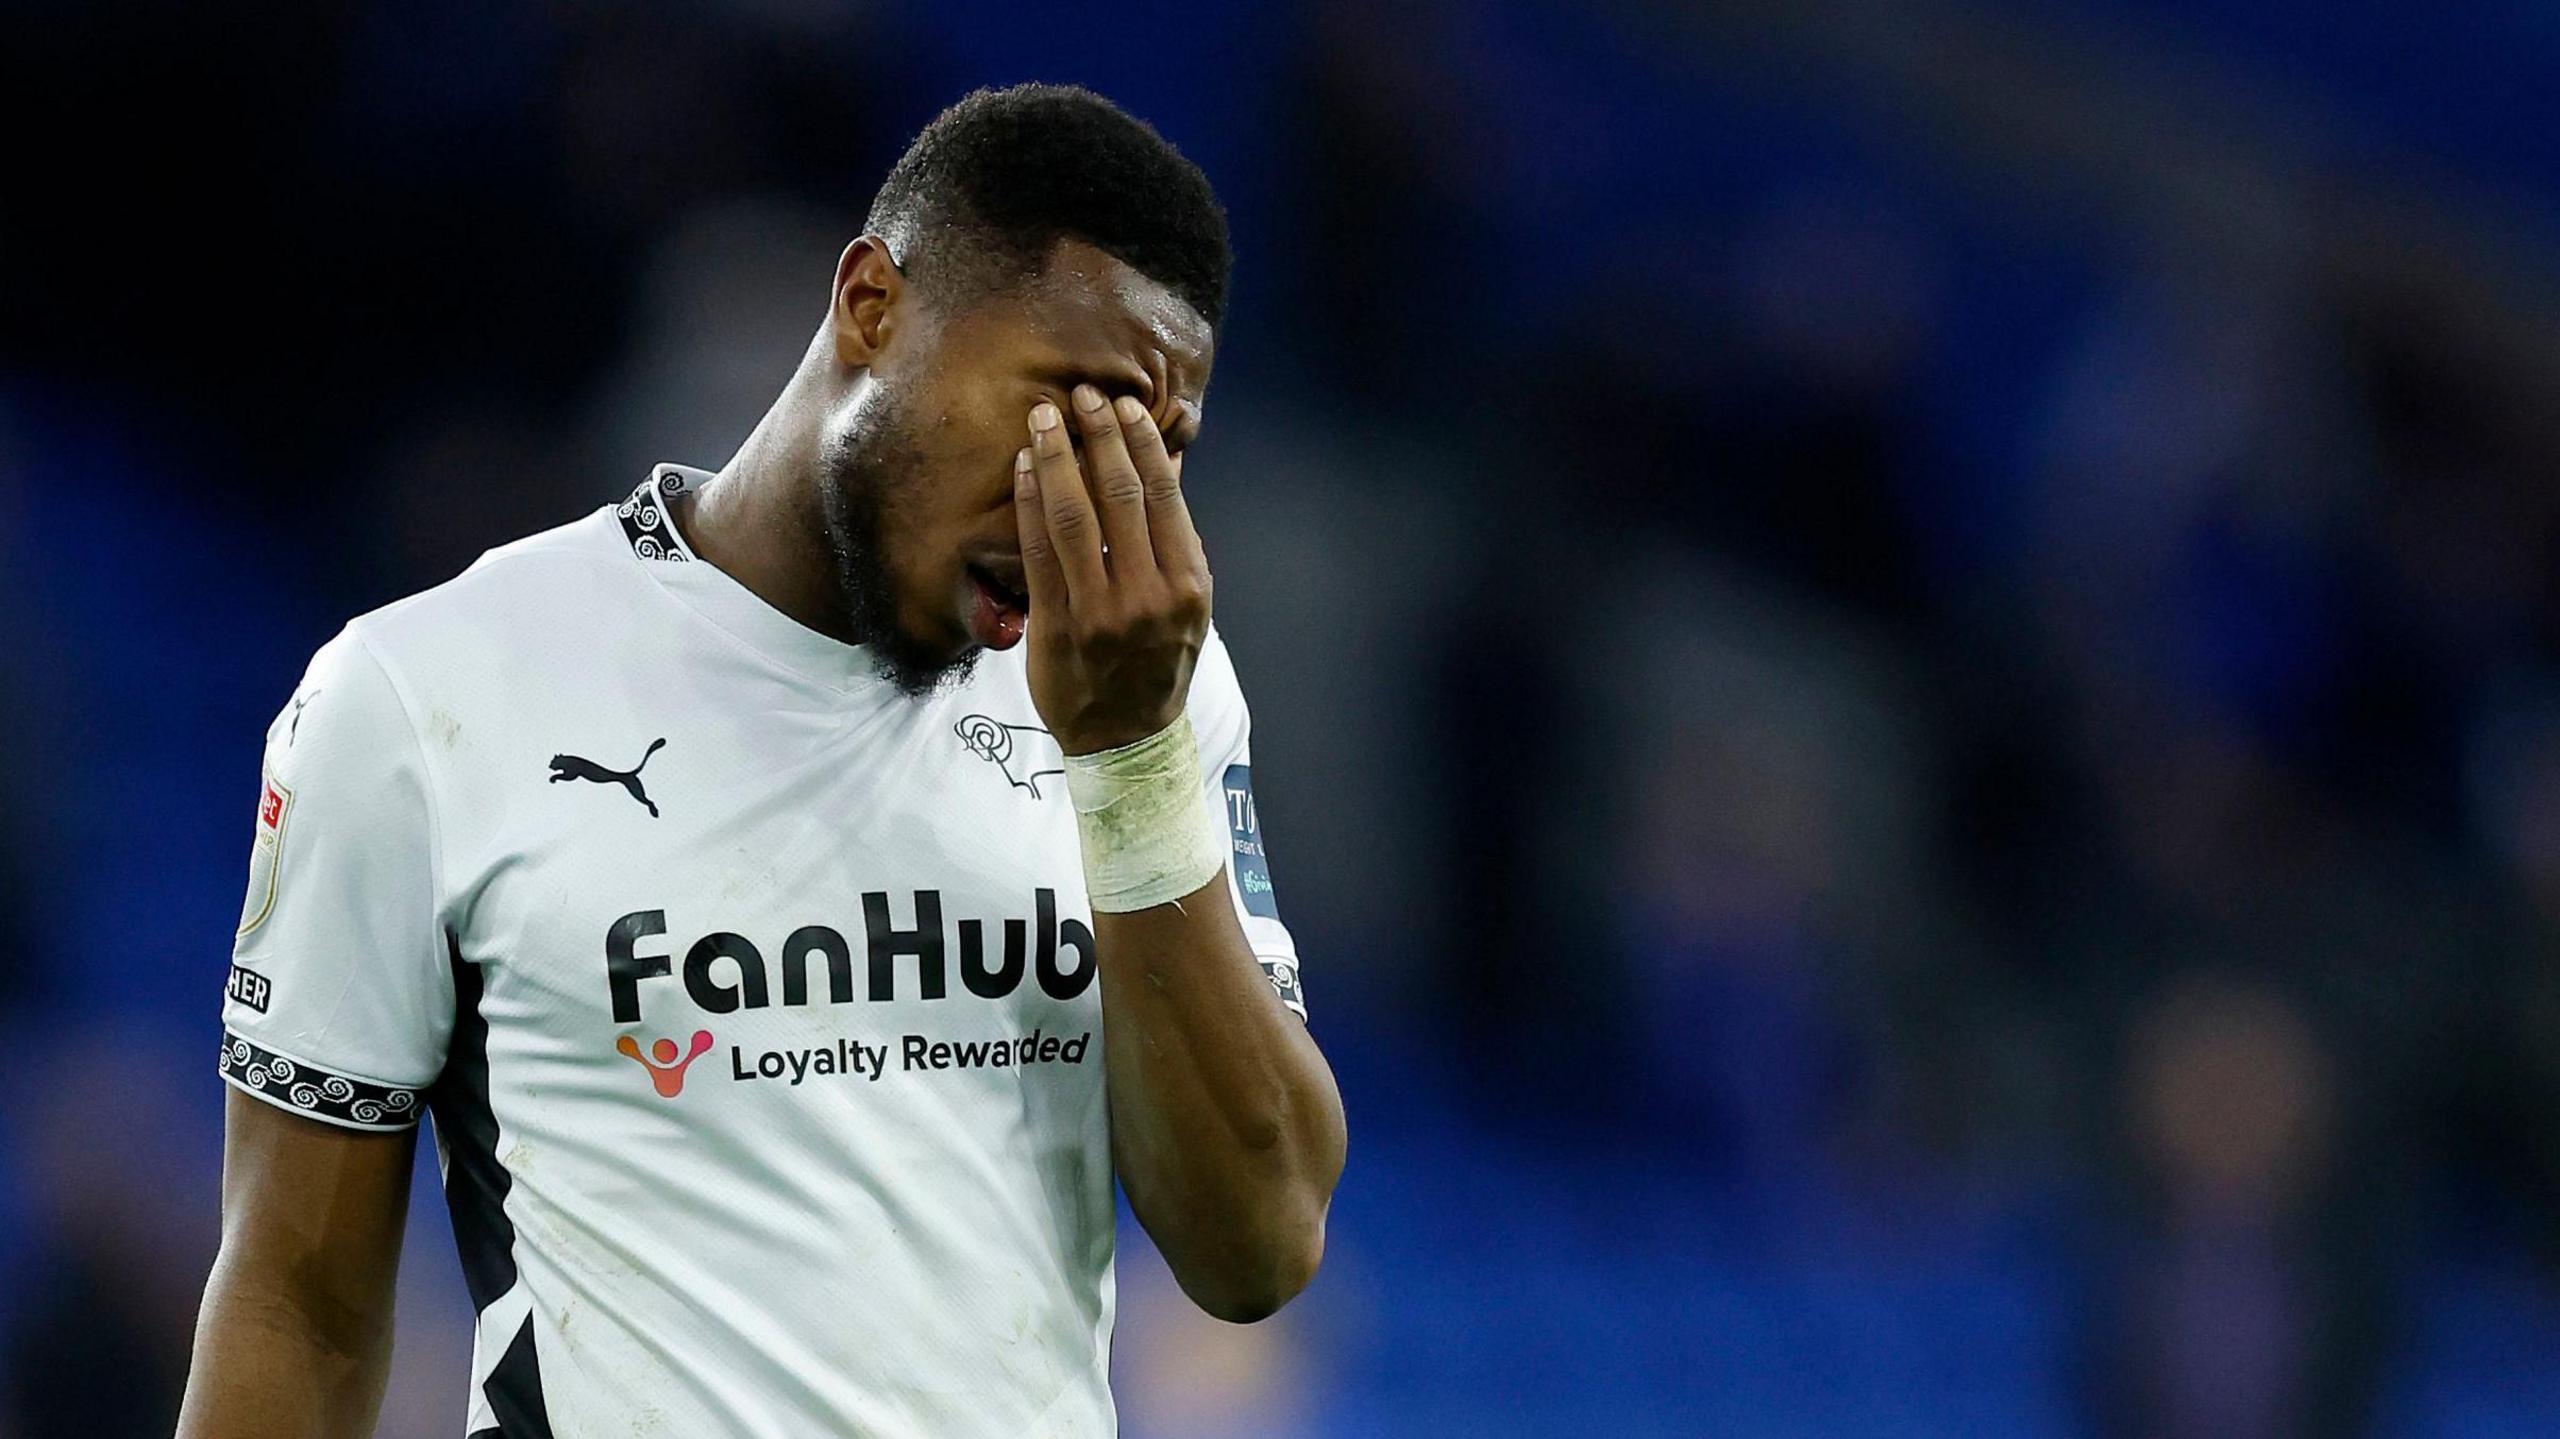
pixel 1907 658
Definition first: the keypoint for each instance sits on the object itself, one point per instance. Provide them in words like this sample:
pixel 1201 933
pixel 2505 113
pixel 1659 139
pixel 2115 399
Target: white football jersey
pixel 755 1001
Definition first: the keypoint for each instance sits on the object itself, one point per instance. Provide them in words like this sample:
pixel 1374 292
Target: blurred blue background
pixel 1907 658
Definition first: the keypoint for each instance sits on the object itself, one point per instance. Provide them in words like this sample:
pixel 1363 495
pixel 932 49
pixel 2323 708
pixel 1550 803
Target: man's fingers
pixel 1047 584
pixel 1177 544
pixel 1119 496
pixel 1074 533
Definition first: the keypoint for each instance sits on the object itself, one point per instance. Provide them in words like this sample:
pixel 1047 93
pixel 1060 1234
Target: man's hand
pixel 1119 584
pixel 1226 1128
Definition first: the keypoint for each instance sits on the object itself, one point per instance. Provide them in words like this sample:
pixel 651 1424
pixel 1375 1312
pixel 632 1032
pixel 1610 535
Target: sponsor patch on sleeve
pixel 275 806
pixel 1244 833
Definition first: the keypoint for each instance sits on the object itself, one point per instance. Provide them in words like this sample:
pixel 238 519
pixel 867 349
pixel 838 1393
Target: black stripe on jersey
pixel 515 1391
pixel 475 1190
pixel 475 1183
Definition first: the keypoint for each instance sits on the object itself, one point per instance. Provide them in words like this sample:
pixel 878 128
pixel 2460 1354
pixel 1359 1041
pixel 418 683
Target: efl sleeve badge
pixel 275 803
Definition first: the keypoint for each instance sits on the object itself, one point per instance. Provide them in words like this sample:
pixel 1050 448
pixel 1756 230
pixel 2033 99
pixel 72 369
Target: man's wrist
pixel 1146 835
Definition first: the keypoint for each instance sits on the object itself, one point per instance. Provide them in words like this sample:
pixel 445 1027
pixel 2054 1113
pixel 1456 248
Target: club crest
pixel 992 740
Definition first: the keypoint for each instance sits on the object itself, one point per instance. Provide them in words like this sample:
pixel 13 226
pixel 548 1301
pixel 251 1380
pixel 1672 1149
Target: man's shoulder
pixel 519 592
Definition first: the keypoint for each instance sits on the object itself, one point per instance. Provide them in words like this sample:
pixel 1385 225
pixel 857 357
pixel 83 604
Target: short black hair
pixel 996 181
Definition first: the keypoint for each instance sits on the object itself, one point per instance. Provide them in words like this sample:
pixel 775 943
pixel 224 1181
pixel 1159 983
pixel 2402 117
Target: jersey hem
pixel 320 1093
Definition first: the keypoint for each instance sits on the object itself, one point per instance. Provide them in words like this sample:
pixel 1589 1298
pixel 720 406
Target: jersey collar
pixel 650 528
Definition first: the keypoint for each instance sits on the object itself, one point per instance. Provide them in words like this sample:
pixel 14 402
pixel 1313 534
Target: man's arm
pixel 1225 1123
pixel 294 1339
pixel 1227 1129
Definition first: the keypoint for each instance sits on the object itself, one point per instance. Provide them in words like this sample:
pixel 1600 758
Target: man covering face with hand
pixel 798 891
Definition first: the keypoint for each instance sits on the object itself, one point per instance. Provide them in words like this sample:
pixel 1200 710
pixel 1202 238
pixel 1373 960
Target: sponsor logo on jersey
pixel 570 766
pixel 275 806
pixel 724 971
pixel 1244 833
pixel 992 740
pixel 666 1069
pixel 855 1058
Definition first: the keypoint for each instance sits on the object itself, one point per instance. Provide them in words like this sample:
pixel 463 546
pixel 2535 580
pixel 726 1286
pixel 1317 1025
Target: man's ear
pixel 869 288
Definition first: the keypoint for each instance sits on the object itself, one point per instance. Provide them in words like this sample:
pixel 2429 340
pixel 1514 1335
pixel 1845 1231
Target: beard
pixel 866 472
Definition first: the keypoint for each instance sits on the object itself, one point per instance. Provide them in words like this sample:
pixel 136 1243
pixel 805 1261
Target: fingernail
pixel 1129 410
pixel 1044 416
pixel 1022 462
pixel 1088 399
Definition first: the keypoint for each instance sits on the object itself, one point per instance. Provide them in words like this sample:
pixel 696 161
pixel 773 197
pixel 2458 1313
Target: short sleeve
pixel 1225 729
pixel 340 1003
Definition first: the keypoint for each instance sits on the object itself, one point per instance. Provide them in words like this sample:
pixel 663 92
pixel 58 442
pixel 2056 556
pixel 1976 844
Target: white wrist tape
pixel 1147 832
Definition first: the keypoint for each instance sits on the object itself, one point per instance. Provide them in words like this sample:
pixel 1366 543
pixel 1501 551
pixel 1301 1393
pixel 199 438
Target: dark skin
pixel 1048 426
pixel 294 1338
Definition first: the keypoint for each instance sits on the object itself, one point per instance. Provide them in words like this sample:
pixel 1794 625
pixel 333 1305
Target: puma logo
pixel 570 766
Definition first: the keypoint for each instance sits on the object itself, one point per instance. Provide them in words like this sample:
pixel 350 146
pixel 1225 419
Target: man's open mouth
pixel 996 620
pixel 1010 592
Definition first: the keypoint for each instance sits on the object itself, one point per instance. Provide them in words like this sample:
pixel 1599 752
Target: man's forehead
pixel 1091 303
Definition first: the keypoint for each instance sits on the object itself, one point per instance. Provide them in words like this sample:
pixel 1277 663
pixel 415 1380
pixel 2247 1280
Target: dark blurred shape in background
pixel 1907 658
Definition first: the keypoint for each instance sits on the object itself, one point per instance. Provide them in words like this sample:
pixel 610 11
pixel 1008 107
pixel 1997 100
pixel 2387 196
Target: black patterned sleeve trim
pixel 644 518
pixel 1283 975
pixel 308 1089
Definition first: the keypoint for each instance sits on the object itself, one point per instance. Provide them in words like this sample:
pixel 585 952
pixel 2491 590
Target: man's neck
pixel 758 520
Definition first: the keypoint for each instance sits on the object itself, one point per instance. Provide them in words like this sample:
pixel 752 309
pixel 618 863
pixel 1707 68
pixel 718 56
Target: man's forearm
pixel 263 1368
pixel 1226 1126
